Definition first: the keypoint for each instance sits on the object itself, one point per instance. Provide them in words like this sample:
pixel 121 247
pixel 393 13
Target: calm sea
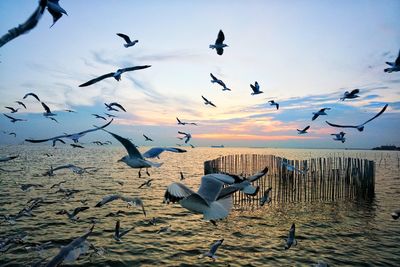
pixel 342 233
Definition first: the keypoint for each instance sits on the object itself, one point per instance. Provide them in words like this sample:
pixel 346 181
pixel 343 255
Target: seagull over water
pixel 74 137
pixel 72 215
pixel 20 103
pixel 31 94
pixel 213 249
pixel 111 105
pixel 220 82
pixel 291 238
pixel 13 110
pixel 319 113
pixel 256 89
pixel 219 43
pixel 208 102
pixel 273 103
pixel 47 110
pixel 132 201
pixel 156 151
pixel 184 123
pixel 188 136
pixel 304 131
pixel 361 126
pixel 116 75
pixel 147 138
pixel 340 137
pixel 350 95
pixel 12 119
pixel 128 41
pixel 118 234
pixel 99 117
pixel 394 66
pixel 134 159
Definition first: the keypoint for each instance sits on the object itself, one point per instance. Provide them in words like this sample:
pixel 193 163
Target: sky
pixel 304 55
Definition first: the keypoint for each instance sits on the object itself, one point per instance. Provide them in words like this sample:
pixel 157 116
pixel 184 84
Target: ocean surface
pixel 341 233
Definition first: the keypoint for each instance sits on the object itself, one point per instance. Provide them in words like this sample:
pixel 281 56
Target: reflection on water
pixel 338 233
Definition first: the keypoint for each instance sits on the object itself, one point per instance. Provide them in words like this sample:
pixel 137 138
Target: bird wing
pixel 131 148
pixel 21 103
pixel 125 231
pixel 117 105
pixel 182 133
pixel 258 175
pixel 32 94
pixel 135 68
pixel 78 209
pixel 11 118
pixel 107 199
pixel 95 129
pixel 315 116
pixel 205 99
pixel 397 62
pixel 355 91
pixel 377 115
pixel 212 104
pixel 220 38
pixel 253 88
pixel 10 108
pixel 210 188
pixel 46 108
pixel 277 106
pixel 125 37
pixel 179 121
pixel 307 127
pixel 63 167
pixel 225 178
pixel 214 247
pixel 156 151
pixel 95 80
pixel 117 227
pixel 340 126
pixel 213 77
pixel 176 192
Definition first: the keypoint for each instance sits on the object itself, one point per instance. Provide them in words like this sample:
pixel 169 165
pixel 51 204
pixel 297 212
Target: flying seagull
pixel 12 119
pixel 319 113
pixel 127 40
pixel 118 234
pixel 31 94
pixel 72 251
pixel 13 110
pixel 110 115
pixel 99 117
pixel 219 45
pixel 220 82
pixel 47 112
pixel 394 66
pixel 213 249
pixel 20 103
pixel 70 110
pixel 14 134
pixel 147 183
pixel 208 102
pixel 395 214
pixel 361 126
pixel 76 146
pixel 116 75
pixel 340 137
pixel 147 138
pixel 304 131
pixel 53 119
pixel 132 201
pixel 156 151
pixel 188 136
pixel 55 10
pixel 350 95
pixel 256 89
pixel 291 238
pixel 273 103
pixel 184 123
pixel 134 159
pixel 266 198
pixel 74 137
pixel 72 215
pixel 110 106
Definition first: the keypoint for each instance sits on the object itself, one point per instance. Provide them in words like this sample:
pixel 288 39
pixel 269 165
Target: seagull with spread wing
pixel 99 117
pixel 256 89
pixel 128 42
pixel 188 136
pixel 273 103
pixel 72 215
pixel 31 94
pixel 184 123
pixel 213 249
pixel 359 127
pixel 13 110
pixel 208 102
pixel 12 119
pixel 110 106
pixel 21 103
pixel 47 110
pixel 156 151
pixel 219 43
pixel 304 131
pixel 131 201
pixel 319 113
pixel 350 95
pixel 340 137
pixel 220 82
pixel 116 75
pixel 118 234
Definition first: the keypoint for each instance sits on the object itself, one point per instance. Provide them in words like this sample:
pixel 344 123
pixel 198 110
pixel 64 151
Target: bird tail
pixel 218 209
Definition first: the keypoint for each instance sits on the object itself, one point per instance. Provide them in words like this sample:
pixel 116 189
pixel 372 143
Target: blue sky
pixel 304 54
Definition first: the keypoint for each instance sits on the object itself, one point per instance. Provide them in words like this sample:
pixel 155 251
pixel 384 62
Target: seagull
pixel 147 138
pixel 55 10
pixel 72 167
pixel 156 151
pixel 119 234
pixel 72 215
pixel 266 198
pixel 53 119
pixel 351 95
pixel 110 115
pixel 208 102
pixel 211 200
pixel 396 214
pixel 188 136
pixel 56 140
pixel 72 251
pixel 57 184
pixel 4 159
pixel 74 137
pixel 219 45
pixel 256 89
pixel 99 117
pixel 184 123
pixel 182 177
pixel 134 159
pixel 304 131
pixel 220 82
pixel 394 66
pixel 116 75
pixel 110 106
pixel 14 134
pixel 213 249
pixel 47 112
pixel 127 40
pixel 293 168
pixel 20 103
pixel 31 94
pixel 361 126
pixel 76 146
pixel 147 183
pixel 133 201
pixel 12 119
pixel 291 238
pixel 339 137
pixel 70 110
pixel 319 113
pixel 273 103
pixel 13 110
